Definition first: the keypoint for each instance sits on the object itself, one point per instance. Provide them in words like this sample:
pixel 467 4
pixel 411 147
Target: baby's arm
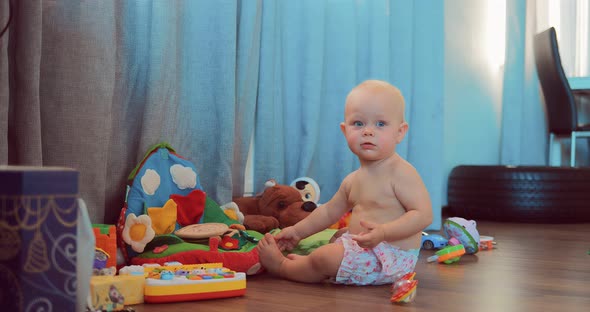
pixel 413 195
pixel 319 219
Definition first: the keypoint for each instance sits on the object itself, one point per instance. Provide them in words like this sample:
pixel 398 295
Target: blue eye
pixel 358 123
pixel 380 124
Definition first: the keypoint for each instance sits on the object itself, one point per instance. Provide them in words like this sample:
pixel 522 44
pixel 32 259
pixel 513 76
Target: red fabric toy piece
pixel 229 243
pixel 247 262
pixel 190 208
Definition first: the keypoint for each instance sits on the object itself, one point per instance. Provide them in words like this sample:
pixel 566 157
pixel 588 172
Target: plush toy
pixel 164 196
pixel 278 206
pixel 310 191
pixel 308 188
pixel 246 262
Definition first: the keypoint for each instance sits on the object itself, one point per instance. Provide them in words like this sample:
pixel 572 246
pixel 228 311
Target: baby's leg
pixel 338 234
pixel 318 266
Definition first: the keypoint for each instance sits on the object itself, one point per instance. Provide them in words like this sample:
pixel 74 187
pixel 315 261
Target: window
pixel 570 19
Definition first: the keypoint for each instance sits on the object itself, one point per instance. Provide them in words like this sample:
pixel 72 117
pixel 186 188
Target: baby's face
pixel 372 123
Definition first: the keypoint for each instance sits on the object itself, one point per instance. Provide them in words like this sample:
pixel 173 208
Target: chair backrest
pixel 559 100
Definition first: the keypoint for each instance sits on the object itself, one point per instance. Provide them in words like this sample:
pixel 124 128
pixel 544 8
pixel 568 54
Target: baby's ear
pixel 401 132
pixel 343 127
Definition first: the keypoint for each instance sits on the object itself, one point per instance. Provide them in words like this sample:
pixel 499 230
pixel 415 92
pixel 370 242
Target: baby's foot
pixel 271 257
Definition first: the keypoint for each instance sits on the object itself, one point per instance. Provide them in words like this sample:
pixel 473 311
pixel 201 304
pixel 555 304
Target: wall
pixel 472 94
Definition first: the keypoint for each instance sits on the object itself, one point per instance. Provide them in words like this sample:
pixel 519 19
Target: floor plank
pixel 535 267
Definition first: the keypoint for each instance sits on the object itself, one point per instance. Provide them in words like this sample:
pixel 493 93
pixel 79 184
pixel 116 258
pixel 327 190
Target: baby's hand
pixel 287 238
pixel 372 237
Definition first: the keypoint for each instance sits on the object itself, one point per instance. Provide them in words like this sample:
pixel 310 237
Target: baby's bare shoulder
pixel 345 186
pixel 403 171
pixel 348 181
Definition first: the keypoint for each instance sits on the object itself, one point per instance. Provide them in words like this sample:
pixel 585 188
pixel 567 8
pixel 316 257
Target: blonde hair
pixel 382 86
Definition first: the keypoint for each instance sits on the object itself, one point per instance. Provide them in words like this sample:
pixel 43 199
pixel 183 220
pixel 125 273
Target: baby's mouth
pixel 367 145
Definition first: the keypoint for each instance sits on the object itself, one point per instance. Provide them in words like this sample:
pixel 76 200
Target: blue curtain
pixel 312 53
pixel 210 76
pixel 189 72
pixel 522 106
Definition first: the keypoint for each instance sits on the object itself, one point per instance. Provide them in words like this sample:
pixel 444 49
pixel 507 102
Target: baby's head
pixel 377 94
pixel 374 119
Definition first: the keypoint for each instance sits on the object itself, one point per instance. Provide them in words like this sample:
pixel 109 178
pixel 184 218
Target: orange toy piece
pixel 448 254
pixel 106 239
pixel 343 222
pixel 486 243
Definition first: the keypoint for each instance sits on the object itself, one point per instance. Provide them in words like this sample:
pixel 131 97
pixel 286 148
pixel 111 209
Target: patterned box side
pixel 38 238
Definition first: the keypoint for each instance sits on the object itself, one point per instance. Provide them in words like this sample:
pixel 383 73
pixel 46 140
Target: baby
pixel 390 204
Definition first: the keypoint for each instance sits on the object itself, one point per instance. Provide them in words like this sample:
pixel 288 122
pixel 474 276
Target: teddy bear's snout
pixel 309 206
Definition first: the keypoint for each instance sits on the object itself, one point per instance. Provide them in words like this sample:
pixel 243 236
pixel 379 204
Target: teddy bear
pixel 278 206
pixel 310 191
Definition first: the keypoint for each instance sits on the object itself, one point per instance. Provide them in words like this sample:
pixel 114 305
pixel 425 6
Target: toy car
pixel 433 241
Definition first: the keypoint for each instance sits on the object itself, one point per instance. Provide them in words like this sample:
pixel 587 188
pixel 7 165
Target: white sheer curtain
pixel 570 19
pixel 522 107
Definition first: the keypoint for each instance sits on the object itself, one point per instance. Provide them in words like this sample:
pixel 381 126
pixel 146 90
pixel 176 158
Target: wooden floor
pixel 534 268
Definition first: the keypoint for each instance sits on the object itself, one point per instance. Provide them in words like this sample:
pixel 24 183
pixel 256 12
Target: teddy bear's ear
pixel 270 183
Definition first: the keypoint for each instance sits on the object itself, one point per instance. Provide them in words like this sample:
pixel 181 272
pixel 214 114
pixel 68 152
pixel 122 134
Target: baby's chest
pixel 371 195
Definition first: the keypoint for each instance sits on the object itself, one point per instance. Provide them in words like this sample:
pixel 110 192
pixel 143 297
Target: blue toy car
pixel 433 241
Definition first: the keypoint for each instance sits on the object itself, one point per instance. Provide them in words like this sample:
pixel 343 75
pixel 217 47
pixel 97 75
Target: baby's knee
pixel 326 259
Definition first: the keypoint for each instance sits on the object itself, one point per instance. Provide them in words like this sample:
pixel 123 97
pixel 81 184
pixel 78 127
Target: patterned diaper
pixel 375 266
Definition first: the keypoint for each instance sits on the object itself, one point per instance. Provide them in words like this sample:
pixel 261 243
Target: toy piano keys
pixel 174 283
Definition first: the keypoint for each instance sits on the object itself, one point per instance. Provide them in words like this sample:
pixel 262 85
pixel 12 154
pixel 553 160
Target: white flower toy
pixel 138 231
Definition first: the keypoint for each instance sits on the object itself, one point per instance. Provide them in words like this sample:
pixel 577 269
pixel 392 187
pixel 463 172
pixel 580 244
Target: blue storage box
pixel 38 223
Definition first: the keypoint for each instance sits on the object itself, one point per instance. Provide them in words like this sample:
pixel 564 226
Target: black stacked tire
pixel 532 194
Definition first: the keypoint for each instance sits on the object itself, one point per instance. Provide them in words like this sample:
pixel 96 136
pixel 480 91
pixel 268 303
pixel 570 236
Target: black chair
pixel 561 102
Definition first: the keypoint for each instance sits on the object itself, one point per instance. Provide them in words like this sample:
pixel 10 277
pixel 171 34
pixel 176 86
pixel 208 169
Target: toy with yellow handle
pixel 448 254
